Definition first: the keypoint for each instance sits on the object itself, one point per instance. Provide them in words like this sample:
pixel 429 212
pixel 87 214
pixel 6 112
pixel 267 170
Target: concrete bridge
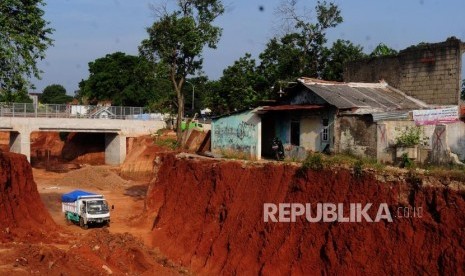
pixel 117 127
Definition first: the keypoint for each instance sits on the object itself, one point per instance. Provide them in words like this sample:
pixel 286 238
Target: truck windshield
pixel 97 207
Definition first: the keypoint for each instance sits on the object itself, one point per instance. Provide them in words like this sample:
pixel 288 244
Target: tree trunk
pixel 180 115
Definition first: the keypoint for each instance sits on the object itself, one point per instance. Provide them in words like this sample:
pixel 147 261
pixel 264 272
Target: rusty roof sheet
pixel 292 107
pixel 377 96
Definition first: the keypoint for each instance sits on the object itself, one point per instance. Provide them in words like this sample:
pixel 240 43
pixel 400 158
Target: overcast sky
pixel 90 29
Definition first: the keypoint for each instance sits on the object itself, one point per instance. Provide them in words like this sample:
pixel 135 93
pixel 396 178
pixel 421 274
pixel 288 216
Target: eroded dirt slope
pixel 32 243
pixel 210 217
pixel 22 213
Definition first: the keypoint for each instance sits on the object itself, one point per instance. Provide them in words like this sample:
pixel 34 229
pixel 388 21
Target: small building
pixel 238 132
pixel 316 116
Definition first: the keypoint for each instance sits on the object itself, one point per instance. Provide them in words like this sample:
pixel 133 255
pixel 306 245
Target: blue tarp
pixel 73 196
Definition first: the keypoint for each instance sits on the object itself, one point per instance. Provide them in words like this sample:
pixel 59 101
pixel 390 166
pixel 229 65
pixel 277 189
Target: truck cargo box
pixel 77 194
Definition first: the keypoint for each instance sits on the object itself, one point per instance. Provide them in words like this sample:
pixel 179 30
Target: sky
pixel 89 29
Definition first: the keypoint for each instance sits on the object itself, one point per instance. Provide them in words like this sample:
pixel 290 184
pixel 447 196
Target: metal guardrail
pixel 73 111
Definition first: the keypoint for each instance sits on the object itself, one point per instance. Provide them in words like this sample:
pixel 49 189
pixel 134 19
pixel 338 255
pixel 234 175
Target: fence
pixel 72 111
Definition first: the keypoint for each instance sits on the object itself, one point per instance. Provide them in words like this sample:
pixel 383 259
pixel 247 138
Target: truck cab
pixel 94 211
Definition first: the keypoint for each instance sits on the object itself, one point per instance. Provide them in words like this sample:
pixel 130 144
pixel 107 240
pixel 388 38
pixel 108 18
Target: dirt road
pixel 127 198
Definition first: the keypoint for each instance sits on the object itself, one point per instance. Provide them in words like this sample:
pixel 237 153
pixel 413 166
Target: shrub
pixel 313 162
pixel 166 143
pixel 406 162
pixel 409 138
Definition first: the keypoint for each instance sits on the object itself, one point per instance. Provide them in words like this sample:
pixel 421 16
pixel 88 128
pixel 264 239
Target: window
pixel 325 132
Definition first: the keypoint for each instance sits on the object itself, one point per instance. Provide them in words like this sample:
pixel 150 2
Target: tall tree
pixel 341 52
pixel 238 88
pixel 177 39
pixel 123 79
pixel 301 51
pixel 54 94
pixel 24 37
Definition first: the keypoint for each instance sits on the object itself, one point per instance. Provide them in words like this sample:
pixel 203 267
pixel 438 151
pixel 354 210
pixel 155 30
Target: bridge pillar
pixel 20 142
pixel 115 148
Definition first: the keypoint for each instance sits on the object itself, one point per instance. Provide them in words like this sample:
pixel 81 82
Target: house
pixel 316 116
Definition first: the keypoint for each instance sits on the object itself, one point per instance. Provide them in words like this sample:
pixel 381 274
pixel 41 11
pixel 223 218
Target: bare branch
pixel 160 9
pixel 289 13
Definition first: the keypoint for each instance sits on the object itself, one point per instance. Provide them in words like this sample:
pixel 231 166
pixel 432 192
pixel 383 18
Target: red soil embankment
pixel 139 160
pixel 22 213
pixel 210 217
pixel 28 236
pixel 4 141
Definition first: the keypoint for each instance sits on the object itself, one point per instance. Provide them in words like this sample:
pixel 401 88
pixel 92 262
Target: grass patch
pixel 318 161
pixel 453 172
pixel 168 143
pixel 232 154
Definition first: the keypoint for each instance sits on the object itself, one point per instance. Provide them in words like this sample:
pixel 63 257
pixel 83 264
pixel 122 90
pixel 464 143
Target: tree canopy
pixel 341 52
pixel 55 94
pixel 299 52
pixel 177 39
pixel 24 37
pixel 124 80
pixel 383 50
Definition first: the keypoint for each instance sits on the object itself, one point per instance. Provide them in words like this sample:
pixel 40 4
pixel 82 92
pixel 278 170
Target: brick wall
pixel 429 72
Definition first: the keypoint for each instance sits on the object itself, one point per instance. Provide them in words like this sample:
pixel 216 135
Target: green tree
pixel 54 94
pixel 302 51
pixel 238 88
pixel 341 52
pixel 282 59
pixel 383 50
pixel 177 40
pixel 24 37
pixel 123 79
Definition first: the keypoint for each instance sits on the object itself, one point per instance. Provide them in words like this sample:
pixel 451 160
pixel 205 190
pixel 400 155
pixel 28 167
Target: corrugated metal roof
pixel 392 115
pixel 376 96
pixel 291 107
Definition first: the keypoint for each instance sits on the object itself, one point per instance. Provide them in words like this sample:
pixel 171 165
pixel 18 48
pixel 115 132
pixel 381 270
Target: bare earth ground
pixel 126 196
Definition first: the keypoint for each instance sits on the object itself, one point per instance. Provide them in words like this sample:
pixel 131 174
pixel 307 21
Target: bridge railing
pixel 73 111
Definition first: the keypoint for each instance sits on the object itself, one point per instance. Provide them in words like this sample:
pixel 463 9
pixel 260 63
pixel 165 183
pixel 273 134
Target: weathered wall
pixel 456 138
pixel 429 72
pixel 239 132
pixel 356 134
pixel 438 140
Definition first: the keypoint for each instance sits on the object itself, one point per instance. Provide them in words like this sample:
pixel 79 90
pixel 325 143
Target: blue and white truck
pixel 85 208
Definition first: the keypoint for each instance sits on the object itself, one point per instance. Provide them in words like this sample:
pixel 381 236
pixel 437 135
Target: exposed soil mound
pixel 43 143
pixel 22 213
pixel 101 177
pixel 122 253
pixel 98 253
pixel 210 217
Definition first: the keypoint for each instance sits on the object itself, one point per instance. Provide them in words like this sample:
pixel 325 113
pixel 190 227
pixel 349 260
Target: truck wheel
pixel 81 223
